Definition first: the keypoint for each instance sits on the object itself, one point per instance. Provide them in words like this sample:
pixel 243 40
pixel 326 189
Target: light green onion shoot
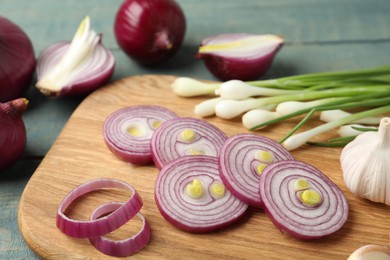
pixel 257 116
pixel 188 87
pixel 333 94
pixel 237 89
pixel 336 114
pixel 285 108
pixel 207 107
pixel 351 129
pixel 294 141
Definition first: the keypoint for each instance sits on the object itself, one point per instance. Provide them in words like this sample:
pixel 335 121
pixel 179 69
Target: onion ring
pixel 185 136
pixel 127 132
pixel 240 166
pixel 101 226
pixel 211 210
pixel 120 248
pixel 286 207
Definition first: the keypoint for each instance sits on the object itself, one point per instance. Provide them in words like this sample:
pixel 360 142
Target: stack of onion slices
pixel 97 226
pixel 322 212
pixel 210 210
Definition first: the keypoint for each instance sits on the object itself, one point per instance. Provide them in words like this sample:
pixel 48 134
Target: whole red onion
pixel 12 131
pixel 17 62
pixel 150 31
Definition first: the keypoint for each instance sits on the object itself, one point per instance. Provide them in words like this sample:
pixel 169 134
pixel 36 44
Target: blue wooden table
pixel 321 35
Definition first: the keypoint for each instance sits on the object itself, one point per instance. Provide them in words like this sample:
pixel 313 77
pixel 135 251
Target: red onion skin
pixel 17 61
pixel 12 131
pixel 150 31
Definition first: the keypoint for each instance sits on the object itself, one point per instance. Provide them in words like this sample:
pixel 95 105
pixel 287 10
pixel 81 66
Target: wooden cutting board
pixel 80 154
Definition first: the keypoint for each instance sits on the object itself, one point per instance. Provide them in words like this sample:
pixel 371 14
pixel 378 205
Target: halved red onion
pixel 301 200
pixel 185 136
pixel 191 196
pixel 127 132
pixel 77 67
pixel 125 247
pixel 242 160
pixel 239 55
pixel 91 74
pixel 98 227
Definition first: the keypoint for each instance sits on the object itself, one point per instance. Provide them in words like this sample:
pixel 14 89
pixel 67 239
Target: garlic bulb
pixel 365 164
pixel 370 252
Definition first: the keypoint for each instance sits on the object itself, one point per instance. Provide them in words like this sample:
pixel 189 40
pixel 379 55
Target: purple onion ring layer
pixel 237 164
pixel 99 227
pixel 167 146
pixel 125 247
pixel 200 215
pixel 134 147
pixel 289 214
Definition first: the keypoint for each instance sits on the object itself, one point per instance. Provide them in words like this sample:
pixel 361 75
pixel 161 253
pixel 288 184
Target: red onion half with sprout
pixel 192 197
pixel 185 136
pixel 301 200
pixel 128 131
pixel 150 31
pixel 77 67
pixel 239 56
pixel 17 61
pixel 242 160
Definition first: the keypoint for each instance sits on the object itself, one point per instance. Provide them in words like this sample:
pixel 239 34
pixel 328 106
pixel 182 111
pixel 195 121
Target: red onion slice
pixel 286 205
pixel 213 209
pixel 127 132
pixel 101 226
pixel 125 247
pixel 185 136
pixel 242 159
pixel 92 73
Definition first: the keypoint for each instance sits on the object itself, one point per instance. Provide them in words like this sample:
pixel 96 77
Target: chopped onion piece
pixel 190 195
pixel 125 247
pixel 127 132
pixel 321 211
pixel 242 159
pixel 98 227
pixel 170 141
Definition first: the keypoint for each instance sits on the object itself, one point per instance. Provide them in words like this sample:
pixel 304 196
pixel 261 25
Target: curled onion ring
pixel 238 165
pixel 204 213
pixel 200 138
pixel 286 210
pixel 101 226
pixel 125 247
pixel 127 132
